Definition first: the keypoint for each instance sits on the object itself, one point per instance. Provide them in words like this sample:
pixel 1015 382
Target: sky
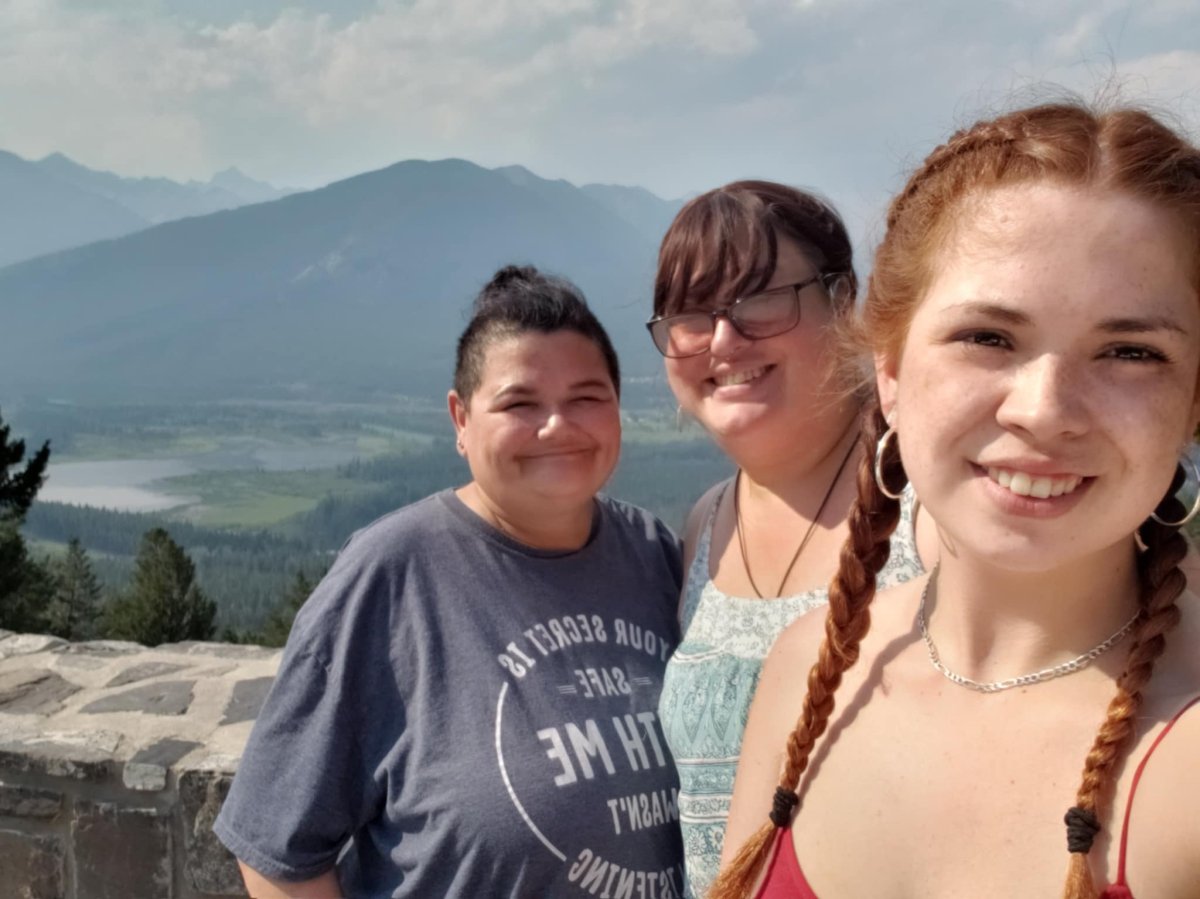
pixel 842 96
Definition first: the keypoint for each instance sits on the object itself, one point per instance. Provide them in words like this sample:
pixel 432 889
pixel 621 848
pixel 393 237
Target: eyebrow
pixel 522 390
pixel 991 310
pixel 1146 324
pixel 1143 325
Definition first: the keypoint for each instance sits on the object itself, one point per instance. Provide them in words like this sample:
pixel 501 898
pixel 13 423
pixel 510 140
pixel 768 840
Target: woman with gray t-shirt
pixel 467 705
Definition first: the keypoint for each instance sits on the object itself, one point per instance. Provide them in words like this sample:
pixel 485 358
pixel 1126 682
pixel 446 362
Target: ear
pixel 458 416
pixel 887 370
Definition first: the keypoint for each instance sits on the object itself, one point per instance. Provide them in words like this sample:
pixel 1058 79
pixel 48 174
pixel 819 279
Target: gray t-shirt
pixel 457 714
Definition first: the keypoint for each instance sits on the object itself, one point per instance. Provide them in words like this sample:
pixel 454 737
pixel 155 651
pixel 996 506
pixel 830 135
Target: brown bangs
pixel 721 245
pixel 724 244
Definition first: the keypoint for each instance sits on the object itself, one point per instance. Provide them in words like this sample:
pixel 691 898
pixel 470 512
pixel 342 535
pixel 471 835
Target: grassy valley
pixel 273 488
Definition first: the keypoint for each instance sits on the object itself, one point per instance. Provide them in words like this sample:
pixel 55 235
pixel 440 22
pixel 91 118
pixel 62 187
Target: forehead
pixel 535 358
pixel 1065 254
pixel 708 284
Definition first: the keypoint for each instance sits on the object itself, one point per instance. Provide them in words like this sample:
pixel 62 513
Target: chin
pixel 565 493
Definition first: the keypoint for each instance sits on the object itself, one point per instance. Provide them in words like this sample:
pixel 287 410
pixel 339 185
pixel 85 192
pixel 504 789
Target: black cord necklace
pixel 812 525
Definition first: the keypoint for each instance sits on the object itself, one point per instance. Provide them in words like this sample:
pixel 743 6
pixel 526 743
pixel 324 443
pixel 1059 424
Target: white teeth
pixel 740 377
pixel 1024 484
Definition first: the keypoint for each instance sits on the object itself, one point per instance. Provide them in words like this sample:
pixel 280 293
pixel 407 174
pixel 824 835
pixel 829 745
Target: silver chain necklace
pixel 1069 667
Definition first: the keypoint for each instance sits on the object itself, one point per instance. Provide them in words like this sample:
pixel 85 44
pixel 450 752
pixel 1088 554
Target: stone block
pixel 171 697
pixel 84 755
pixel 143 671
pixel 33 691
pixel 247 699
pixel 28 802
pixel 32 866
pixel 27 644
pixel 121 852
pixel 105 647
pixel 147 770
pixel 210 867
pixel 221 650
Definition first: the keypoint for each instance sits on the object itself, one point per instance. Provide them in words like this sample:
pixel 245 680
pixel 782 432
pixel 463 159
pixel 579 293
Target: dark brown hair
pixel 724 243
pixel 1124 150
pixel 517 300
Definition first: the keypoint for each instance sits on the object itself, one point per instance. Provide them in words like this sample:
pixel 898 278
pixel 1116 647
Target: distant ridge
pixel 160 199
pixel 40 213
pixel 55 203
pixel 360 285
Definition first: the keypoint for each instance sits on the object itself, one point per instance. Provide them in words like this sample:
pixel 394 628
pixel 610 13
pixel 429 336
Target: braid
pixel 872 519
pixel 994 136
pixel 1161 585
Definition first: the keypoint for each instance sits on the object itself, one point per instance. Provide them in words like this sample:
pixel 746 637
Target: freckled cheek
pixel 1163 418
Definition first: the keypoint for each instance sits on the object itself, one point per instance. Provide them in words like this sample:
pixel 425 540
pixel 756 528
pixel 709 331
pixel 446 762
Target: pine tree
pixel 75 604
pixel 164 604
pixel 18 489
pixel 24 585
pixel 279 622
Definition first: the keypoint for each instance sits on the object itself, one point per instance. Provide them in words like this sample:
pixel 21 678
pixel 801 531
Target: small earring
pixel 1185 466
pixel 681 418
pixel 459 443
pixel 880 449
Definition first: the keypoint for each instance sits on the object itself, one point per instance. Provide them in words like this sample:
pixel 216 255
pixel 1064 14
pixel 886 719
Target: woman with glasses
pixel 466 705
pixel 754 279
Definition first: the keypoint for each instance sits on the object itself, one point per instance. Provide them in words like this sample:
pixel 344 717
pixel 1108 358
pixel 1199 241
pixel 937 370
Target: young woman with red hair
pixel 1034 315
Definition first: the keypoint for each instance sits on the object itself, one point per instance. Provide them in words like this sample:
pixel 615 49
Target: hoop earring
pixel 1185 463
pixel 880 449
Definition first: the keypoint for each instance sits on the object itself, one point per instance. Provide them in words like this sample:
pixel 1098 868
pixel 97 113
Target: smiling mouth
pixel 1036 487
pixel 560 453
pixel 741 377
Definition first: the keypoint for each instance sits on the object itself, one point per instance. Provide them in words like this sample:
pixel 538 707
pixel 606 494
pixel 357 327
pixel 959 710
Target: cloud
pixel 674 94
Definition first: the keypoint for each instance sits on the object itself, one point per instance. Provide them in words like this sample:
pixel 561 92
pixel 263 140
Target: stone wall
pixel 114 761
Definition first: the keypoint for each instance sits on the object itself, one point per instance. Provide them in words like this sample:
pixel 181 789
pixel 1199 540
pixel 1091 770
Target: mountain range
pixel 359 285
pixel 56 203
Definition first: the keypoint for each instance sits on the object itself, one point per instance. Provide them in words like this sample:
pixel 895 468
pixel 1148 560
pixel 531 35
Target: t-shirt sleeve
pixel 302 787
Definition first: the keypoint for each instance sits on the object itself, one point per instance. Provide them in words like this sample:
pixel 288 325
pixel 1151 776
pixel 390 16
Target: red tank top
pixel 785 878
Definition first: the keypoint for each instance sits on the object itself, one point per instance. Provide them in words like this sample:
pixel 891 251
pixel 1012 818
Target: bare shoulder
pixel 1164 829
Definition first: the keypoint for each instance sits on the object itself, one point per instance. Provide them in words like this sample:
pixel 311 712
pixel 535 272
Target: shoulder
pixel 1163 829
pixel 635 523
pixel 639 538
pixel 702 511
pixel 699 516
pixel 359 593
pixel 416 521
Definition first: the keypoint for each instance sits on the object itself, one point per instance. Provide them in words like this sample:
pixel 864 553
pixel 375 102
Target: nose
pixel 554 423
pixel 1045 398
pixel 725 339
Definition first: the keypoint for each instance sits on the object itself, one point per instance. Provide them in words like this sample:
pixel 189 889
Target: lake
pixel 129 485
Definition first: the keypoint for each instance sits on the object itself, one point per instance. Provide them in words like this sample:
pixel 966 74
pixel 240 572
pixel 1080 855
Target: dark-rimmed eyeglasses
pixel 768 313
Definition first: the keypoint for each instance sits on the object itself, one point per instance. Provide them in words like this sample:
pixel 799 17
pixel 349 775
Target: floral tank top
pixel 710 681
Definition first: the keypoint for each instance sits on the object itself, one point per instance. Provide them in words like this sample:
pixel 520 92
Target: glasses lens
pixel 682 335
pixel 768 313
